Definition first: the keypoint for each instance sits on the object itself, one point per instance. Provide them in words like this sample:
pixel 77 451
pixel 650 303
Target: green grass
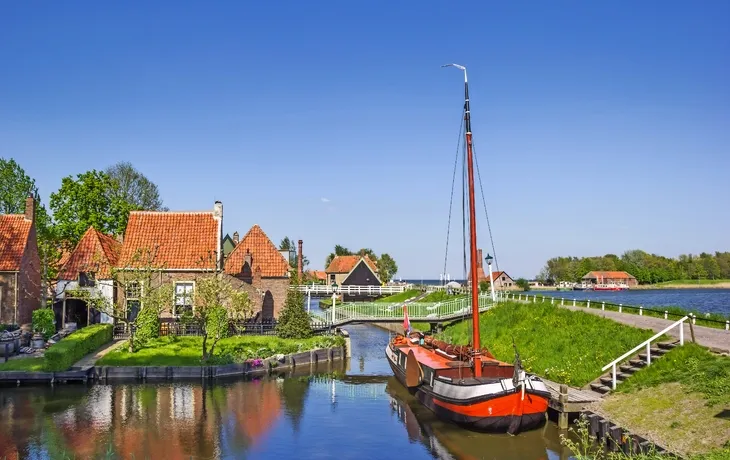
pixel 24 364
pixel 562 345
pixel 400 297
pixel 691 365
pixel 687 282
pixel 187 351
pixel 440 296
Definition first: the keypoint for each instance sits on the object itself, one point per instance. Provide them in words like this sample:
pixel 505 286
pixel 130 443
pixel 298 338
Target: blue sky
pixel 600 126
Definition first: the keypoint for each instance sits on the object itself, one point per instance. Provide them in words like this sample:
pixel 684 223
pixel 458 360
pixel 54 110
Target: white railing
pixel 646 344
pixel 351 290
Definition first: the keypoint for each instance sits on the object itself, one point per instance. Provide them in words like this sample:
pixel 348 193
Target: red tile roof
pixel 345 264
pixel 317 274
pixel 95 252
pixel 180 240
pixel 608 275
pixel 14 232
pixel 264 255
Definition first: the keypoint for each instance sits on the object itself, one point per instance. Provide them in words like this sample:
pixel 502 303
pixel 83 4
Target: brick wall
pixel 29 280
pixel 7 297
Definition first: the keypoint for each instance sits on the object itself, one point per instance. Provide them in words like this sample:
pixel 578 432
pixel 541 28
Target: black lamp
pixel 489 259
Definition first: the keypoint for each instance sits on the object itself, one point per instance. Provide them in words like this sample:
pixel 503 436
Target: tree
pixel 142 298
pixel 87 201
pixel 523 284
pixel 294 321
pixel 387 268
pixel 133 187
pixel 368 252
pixel 287 244
pixel 217 303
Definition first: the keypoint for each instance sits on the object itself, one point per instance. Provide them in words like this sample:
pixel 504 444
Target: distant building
pixel 353 271
pixel 610 277
pixel 316 276
pixel 229 244
pixel 502 281
pixel 20 266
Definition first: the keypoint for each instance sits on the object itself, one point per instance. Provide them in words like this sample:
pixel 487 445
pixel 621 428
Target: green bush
pixel 294 322
pixel 44 322
pixel 147 327
pixel 65 353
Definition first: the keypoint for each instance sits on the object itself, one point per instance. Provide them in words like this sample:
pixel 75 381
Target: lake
pixel 353 410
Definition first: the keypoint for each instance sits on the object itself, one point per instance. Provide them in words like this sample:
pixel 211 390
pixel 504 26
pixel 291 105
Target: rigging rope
pixel 451 200
pixel 484 201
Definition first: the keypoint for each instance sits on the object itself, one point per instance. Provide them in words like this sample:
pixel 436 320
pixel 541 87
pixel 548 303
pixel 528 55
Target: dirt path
pixel 717 340
pixel 91 359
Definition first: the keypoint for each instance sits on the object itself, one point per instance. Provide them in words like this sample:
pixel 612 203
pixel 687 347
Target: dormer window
pixel 87 279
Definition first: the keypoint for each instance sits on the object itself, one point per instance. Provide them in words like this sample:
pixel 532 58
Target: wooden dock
pixel 567 400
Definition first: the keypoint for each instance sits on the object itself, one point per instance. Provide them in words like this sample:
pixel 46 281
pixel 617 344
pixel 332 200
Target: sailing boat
pixel 465 384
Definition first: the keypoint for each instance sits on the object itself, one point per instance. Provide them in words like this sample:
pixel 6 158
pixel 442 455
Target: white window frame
pixel 137 298
pixel 190 295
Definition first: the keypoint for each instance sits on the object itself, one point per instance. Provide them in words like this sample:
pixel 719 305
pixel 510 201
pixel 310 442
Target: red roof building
pixel 353 270
pixel 20 266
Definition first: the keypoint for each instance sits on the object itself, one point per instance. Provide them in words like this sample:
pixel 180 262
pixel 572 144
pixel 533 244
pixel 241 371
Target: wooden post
pixel 63 313
pixel 692 329
pixel 563 414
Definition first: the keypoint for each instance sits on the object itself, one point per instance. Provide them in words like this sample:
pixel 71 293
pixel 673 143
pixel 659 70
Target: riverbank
pixel 679 402
pixel 687 284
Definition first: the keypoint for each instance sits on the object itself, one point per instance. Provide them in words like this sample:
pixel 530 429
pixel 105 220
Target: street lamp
pixel 491 278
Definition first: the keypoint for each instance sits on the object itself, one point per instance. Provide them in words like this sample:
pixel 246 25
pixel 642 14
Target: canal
pixel 342 410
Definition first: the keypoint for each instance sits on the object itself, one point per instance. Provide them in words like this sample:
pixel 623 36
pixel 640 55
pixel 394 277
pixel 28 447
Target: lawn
pixel 440 296
pixel 400 297
pixel 186 351
pixel 562 345
pixel 24 364
pixel 682 400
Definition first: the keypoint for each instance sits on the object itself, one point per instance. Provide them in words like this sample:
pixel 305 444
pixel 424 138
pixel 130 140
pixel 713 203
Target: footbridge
pixel 323 290
pixel 377 312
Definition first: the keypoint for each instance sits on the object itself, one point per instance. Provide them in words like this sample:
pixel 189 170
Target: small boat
pixel 583 287
pixel 461 383
pixel 610 287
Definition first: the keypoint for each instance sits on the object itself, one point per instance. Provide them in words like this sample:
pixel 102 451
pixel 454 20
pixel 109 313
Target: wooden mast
pixel 476 346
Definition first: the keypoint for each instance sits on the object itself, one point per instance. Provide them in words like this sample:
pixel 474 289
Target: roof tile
pixel 95 252
pixel 345 264
pixel 14 232
pixel 181 240
pixel 264 255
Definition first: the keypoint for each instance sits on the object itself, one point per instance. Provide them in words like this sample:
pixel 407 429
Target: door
pixel 267 309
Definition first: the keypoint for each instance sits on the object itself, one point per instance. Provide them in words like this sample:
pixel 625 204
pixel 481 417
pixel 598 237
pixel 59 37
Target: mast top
pixel 458 66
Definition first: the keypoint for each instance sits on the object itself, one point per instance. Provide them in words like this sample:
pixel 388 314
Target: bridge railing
pixel 351 290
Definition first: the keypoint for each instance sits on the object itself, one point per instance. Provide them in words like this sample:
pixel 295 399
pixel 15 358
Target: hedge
pixel 65 353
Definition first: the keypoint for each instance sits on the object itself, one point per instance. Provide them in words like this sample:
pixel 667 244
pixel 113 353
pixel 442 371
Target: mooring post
pixel 620 307
pixel 603 306
pixel 562 301
pixel 727 325
pixel 552 300
pixel 563 414
pixel 574 302
pixel 666 314
pixel 588 304
pixel 641 310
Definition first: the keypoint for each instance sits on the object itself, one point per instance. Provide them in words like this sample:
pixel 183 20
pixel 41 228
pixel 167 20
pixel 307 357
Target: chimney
pixel 218 216
pixel 235 238
pixel 30 208
pixel 481 260
pixel 299 261
pixel 257 276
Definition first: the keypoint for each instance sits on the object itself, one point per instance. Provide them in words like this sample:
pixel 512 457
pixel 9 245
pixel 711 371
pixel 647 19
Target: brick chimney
pixel 218 216
pixel 481 259
pixel 235 238
pixel 299 261
pixel 257 276
pixel 30 208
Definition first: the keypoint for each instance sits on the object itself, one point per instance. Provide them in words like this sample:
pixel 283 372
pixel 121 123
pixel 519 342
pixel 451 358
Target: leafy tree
pixel 368 252
pixel 294 322
pixel 523 284
pixel 133 187
pixel 484 286
pixel 88 200
pixel 387 268
pixel 294 392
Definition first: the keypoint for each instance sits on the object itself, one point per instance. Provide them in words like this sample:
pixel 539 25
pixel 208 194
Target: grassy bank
pixel 565 346
pixel 186 351
pixel 680 401
pixel 713 320
pixel 400 297
pixel 688 284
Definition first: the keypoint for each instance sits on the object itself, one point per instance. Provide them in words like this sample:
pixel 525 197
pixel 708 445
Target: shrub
pixel 44 322
pixel 294 322
pixel 484 286
pixel 65 353
pixel 147 327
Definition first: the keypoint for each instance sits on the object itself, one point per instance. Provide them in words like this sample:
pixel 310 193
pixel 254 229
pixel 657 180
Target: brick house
pixel 260 268
pixel 88 267
pixel 610 277
pixel 20 266
pixel 185 246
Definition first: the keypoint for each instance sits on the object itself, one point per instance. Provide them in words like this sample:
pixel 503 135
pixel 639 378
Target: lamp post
pixel 491 278
pixel 334 300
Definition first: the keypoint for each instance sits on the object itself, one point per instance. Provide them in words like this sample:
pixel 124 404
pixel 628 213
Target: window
pixel 87 279
pixel 132 294
pixel 332 279
pixel 183 298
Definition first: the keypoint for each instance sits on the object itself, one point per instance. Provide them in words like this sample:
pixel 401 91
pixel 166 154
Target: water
pixel 353 411
pixel 701 300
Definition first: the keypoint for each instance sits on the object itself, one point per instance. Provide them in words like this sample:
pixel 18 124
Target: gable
pixel 15 231
pixel 264 255
pixel 95 252
pixel 362 275
pixel 345 264
pixel 179 240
